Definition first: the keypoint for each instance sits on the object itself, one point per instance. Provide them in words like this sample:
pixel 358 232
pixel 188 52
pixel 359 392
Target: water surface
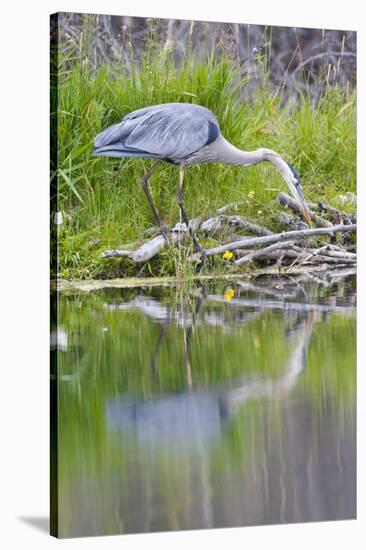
pixel 228 404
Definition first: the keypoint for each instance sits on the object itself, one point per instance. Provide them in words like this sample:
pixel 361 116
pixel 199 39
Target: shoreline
pixel 89 285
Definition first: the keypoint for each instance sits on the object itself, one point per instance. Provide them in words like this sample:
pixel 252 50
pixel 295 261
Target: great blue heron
pixel 184 134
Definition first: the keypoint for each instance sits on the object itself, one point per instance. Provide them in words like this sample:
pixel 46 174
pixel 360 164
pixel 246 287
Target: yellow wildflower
pixel 229 294
pixel 227 255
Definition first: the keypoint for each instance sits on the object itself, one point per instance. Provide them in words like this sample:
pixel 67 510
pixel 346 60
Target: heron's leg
pixel 196 242
pixel 145 187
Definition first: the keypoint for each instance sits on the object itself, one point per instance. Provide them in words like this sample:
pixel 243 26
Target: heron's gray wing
pixel 170 130
pixel 115 133
pixel 172 133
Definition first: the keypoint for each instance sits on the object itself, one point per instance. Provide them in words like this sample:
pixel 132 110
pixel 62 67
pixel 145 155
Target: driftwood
pixel 285 248
pixel 180 232
pixel 278 237
pixel 151 248
pixel 281 251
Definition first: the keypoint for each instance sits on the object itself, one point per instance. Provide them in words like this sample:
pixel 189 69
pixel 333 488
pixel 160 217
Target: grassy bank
pixel 101 199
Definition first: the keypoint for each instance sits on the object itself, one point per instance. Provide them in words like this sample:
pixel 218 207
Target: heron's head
pixel 292 179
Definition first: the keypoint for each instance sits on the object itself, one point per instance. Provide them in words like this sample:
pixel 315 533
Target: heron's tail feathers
pixel 121 151
pixel 109 135
pixel 111 142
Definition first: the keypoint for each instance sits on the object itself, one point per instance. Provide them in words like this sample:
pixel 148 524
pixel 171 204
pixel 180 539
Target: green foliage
pixel 101 198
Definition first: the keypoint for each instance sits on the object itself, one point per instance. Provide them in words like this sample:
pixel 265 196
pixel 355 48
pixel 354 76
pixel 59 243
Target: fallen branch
pixel 319 258
pixel 285 255
pixel 116 254
pixel 337 215
pixel 217 223
pixel 288 236
pixel 151 248
pixel 227 207
pixel 280 246
pixel 242 223
pixel 180 232
pixel 302 256
pixel 340 255
pixel 287 201
pixel 263 252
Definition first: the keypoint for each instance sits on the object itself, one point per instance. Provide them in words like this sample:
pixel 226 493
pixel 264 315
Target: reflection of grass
pixel 119 347
pixel 332 362
pixel 101 198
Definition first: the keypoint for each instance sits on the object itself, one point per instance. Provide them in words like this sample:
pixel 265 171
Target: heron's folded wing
pixel 115 133
pixel 172 134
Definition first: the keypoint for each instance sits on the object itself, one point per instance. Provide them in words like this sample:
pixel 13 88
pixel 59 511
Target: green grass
pixel 101 198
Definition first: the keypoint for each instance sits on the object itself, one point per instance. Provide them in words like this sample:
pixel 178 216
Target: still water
pixel 226 404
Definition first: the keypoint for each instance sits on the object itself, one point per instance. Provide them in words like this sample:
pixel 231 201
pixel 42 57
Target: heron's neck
pixel 229 154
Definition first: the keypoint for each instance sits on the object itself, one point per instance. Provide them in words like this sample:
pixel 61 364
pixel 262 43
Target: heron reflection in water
pixel 194 416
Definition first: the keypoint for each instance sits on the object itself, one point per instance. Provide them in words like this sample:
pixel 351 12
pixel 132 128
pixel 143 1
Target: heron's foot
pixel 199 249
pixel 203 253
pixel 197 246
pixel 203 260
pixel 165 232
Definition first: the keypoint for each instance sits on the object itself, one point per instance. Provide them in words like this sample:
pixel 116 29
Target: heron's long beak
pixel 297 192
pixel 292 179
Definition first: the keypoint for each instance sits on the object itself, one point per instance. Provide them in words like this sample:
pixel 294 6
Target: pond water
pixel 221 405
